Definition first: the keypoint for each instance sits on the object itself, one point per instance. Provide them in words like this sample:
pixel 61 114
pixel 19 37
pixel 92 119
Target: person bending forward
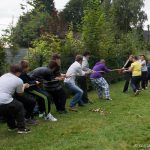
pixel 98 81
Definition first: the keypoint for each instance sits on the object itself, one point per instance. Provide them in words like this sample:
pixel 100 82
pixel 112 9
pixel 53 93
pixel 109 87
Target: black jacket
pixel 27 79
pixel 47 76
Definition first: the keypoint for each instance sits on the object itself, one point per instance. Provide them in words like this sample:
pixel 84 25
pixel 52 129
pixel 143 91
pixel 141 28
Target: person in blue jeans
pixel 75 70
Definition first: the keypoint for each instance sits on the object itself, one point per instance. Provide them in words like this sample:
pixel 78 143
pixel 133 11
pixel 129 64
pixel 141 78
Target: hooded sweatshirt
pixel 99 67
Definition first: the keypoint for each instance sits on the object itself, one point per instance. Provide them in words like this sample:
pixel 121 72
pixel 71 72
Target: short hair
pixel 135 57
pixel 56 56
pixel 79 58
pixel 102 60
pixel 52 64
pixel 86 53
pixel 15 69
pixel 24 64
pixel 143 55
pixel 131 55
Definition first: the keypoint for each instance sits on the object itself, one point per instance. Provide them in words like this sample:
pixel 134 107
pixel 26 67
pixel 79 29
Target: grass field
pixel 127 127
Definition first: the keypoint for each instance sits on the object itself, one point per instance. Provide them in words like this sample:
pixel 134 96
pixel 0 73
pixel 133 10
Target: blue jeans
pixel 77 91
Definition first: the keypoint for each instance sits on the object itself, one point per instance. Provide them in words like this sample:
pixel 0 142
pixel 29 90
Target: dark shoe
pixel 23 131
pixel 31 121
pixel 73 109
pixel 81 105
pixel 62 112
pixel 90 102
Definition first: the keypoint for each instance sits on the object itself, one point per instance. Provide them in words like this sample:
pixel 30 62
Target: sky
pixel 10 11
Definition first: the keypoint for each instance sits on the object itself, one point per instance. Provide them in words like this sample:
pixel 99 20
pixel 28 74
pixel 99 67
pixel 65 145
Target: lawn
pixel 125 126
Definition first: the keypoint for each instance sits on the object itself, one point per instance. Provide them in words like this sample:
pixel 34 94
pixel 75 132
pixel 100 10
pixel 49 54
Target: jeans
pixel 77 91
pixel 135 83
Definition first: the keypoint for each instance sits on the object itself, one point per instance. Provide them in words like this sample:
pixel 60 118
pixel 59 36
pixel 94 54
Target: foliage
pixel 31 25
pixel 103 36
pixel 2 58
pixel 42 50
pixel 70 48
pixel 73 13
pixel 128 14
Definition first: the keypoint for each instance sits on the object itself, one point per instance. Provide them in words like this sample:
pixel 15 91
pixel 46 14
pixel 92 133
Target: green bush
pixel 42 50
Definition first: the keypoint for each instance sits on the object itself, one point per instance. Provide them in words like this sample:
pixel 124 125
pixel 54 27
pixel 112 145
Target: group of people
pixel 137 71
pixel 21 90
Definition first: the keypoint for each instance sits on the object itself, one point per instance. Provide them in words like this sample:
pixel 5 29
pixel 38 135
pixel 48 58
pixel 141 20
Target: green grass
pixel 128 124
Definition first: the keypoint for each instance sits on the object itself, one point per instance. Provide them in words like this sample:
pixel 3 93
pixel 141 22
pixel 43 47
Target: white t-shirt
pixel 9 84
pixel 144 66
pixel 85 64
pixel 74 70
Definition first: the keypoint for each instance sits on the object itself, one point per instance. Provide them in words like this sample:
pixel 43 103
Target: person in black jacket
pixel 55 86
pixel 128 75
pixel 51 80
pixel 42 97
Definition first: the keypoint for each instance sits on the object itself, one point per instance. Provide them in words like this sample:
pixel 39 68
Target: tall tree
pixel 73 12
pixel 2 58
pixel 128 14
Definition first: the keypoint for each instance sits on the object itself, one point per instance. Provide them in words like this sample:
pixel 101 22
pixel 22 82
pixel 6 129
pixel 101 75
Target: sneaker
pixel 41 115
pixel 23 130
pixel 81 105
pixel 137 92
pixel 73 109
pixel 109 99
pixel 62 112
pixel 31 121
pixel 50 117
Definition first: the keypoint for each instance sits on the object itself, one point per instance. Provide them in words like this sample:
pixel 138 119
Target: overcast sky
pixel 11 9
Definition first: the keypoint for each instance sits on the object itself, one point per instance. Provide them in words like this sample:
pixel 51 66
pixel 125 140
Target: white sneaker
pixel 50 117
pixel 109 99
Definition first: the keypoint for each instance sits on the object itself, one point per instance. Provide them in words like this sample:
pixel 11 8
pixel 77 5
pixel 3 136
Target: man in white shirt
pixel 11 109
pixel 144 71
pixel 82 80
pixel 75 70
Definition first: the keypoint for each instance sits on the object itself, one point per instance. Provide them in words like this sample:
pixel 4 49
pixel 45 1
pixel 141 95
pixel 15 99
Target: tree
pixel 31 25
pixel 42 50
pixel 2 58
pixel 128 14
pixel 73 12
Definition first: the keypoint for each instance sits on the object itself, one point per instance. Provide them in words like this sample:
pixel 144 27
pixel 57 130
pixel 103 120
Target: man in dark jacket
pixel 128 75
pixel 51 76
pixel 41 95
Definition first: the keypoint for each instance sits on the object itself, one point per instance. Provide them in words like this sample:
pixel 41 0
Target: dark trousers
pixel 135 83
pixel 28 102
pixel 82 82
pixel 143 79
pixel 43 99
pixel 14 114
pixel 59 98
pixel 127 81
pixel 147 79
